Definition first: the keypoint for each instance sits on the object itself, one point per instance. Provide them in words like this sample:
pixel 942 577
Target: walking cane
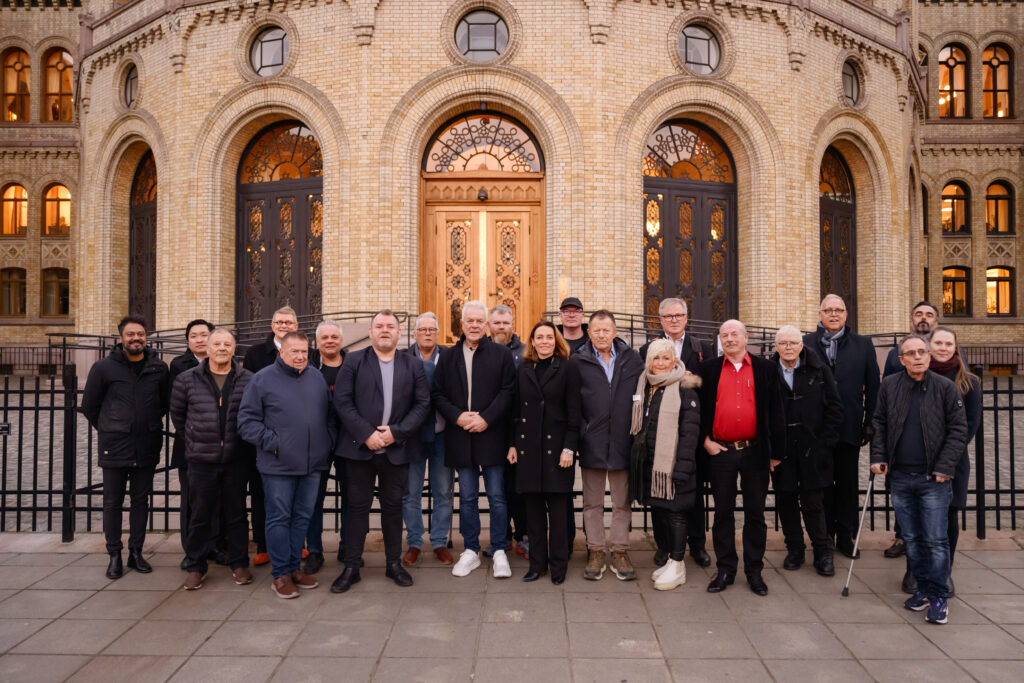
pixel 860 527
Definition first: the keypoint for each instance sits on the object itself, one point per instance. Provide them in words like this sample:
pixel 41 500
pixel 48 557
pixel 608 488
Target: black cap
pixel 571 301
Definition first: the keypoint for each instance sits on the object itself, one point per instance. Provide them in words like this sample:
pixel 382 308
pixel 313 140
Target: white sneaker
pixel 674 575
pixel 468 561
pixel 658 572
pixel 501 569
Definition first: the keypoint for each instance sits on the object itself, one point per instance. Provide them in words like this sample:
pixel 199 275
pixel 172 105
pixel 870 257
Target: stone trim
pixel 726 43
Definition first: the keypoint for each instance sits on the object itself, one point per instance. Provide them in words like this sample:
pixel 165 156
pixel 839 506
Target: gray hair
pixel 475 303
pixel 672 301
pixel 503 309
pixel 788 330
pixel 657 347
pixel 831 296
pixel 222 330
pixel 428 315
pixel 903 342
pixel 328 322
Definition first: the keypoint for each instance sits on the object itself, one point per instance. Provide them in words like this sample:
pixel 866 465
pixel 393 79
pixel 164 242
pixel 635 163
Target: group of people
pixel 654 426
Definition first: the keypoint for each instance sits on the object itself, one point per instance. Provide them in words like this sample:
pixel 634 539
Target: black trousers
pixel 546 525
pixel 695 527
pixel 359 480
pixel 185 515
pixel 789 505
pixel 670 526
pixel 215 490
pixel 752 469
pixel 517 522
pixel 953 530
pixel 115 485
pixel 841 499
pixel 259 510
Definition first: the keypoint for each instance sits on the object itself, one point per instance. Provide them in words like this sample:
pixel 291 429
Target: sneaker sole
pixel 283 596
pixel 243 583
pixel 600 575
pixel 302 587
pixel 936 621
pixel 623 577
pixel 918 608
pixel 668 586
pixel 465 572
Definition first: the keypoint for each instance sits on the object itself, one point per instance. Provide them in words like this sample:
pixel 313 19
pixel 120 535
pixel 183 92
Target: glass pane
pixel 684 150
pixel 285 151
pixel 483 142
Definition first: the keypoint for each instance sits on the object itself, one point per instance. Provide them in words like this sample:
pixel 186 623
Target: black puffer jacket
pixel 180 365
pixel 127 409
pixel 209 426
pixel 943 420
pixel 685 469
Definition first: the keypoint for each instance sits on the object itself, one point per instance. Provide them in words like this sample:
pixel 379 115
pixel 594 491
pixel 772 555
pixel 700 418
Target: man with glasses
pixel 920 434
pixel 853 363
pixel 429 461
pixel 573 329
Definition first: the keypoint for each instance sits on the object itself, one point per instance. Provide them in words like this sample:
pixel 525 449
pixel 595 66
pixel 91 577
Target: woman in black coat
pixel 663 461
pixel 546 428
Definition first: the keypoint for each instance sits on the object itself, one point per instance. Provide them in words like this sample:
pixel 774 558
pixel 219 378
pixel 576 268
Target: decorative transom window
pixel 481 35
pixel 144 187
pixel 131 86
pixel 284 151
pixel 851 83
pixel 699 48
pixel 483 142
pixel 269 51
pixel 834 178
pixel 683 150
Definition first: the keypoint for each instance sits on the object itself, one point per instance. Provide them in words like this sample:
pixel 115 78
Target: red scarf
pixel 945 367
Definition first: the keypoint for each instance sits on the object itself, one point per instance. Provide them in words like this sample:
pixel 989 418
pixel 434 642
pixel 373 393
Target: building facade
pixel 226 158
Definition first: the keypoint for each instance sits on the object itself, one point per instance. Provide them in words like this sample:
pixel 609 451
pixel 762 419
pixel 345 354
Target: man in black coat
pixel 744 435
pixel 572 329
pixel 608 371
pixel 473 390
pixel 673 314
pixel 814 415
pixel 854 365
pixel 204 409
pixel 126 398
pixel 382 399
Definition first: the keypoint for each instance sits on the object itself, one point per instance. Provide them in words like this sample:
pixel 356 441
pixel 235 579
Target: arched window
pixel 57 211
pixel 837 222
pixel 956 287
pixel 283 152
pixel 12 292
pixel 678 150
pixel 955 200
pixel 924 211
pixel 952 62
pixel 15 82
pixel 481 35
pixel 999 291
pixel 999 208
pixel 130 90
pixel 56 291
pixel 142 241
pixel 15 211
pixel 483 142
pixel 997 92
pixel 59 67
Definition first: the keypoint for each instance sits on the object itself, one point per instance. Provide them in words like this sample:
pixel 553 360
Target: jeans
pixel 441 491
pixel 469 506
pixel 289 504
pixel 115 483
pixel 314 537
pixel 922 509
pixel 214 488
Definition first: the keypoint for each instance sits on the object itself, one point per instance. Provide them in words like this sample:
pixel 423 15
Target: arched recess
pixel 747 132
pixel 142 240
pixel 837 218
pixel 419 113
pixel 220 143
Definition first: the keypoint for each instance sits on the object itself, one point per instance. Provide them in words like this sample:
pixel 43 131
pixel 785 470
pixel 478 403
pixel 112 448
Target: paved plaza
pixel 61 619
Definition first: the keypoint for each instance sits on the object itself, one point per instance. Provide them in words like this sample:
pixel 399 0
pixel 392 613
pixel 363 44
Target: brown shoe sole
pixel 246 582
pixel 195 588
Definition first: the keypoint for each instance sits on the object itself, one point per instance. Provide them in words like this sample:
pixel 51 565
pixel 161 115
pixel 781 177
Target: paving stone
pixel 669 607
pixel 856 609
pixel 884 641
pixel 72 578
pixel 442 670
pixel 226 669
pixel 1002 609
pixel 522 608
pixel 41 559
pixel 324 670
pixel 426 639
pixel 6 593
pixel 39 668
pixel 264 604
pixel 997 559
pixel 995 671
pixel 160 579
pixel 632 670
pixel 586 607
pixel 256 638
pixel 608 584
pixel 33 604
pixel 815 672
pixel 902 670
pixel 127 669
pixel 522 669
pixel 616 641
pixel 523 640
pixel 200 604
pixel 961 641
pixel 13 631
pixel 18 577
pixel 717 670
pixel 983 581
pixel 774 607
pixel 1014 575
pixel 794 641
pixel 341 639
pixel 434 580
pixel 74 637
pixel 1015 630
pixel 163 638
pixel 368 606
pixel 118 605
pixel 709 640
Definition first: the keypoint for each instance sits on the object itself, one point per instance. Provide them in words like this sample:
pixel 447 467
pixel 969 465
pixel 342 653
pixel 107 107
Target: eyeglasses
pixel 427 330
pixel 673 316
pixel 288 323
pixel 787 344
pixel 915 353
pixel 571 311
pixel 833 311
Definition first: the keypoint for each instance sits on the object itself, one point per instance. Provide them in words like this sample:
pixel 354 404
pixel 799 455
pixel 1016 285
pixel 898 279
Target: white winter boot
pixel 674 574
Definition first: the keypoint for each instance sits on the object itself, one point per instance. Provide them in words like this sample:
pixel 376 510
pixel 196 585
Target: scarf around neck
pixel 830 341
pixel 667 435
pixel 945 367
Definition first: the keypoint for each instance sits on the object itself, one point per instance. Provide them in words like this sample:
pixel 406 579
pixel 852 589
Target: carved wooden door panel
pixel 837 211
pixel 142 242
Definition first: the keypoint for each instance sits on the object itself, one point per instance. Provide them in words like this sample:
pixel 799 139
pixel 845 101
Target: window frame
pixel 47 201
pixel 500 22
pixel 965 198
pixel 258 40
pixel 24 99
pixel 712 41
pixel 44 281
pixel 1010 280
pixel 60 95
pixel 924 211
pixel 6 282
pixel 952 281
pixel 4 201
pixel 1008 198
pixel 130 86
pixel 965 66
pixel 855 78
pixel 993 92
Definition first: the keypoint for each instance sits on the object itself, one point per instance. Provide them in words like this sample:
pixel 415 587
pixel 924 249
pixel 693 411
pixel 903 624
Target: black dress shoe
pixel 845 546
pixel 909 583
pixel 660 557
pixel 184 564
pixel 897 549
pixel 557 580
pixel 721 581
pixel 700 556
pixel 396 572
pixel 314 563
pixel 345 580
pixel 757 584
pixel 824 564
pixel 115 570
pixel 794 560
pixel 532 576
pixel 137 562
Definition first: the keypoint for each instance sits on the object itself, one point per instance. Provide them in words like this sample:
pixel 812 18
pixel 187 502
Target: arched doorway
pixel 838 220
pixel 142 242
pixel 482 220
pixel 280 223
pixel 689 221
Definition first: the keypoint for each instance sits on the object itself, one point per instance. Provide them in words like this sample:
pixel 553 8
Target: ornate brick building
pixel 228 156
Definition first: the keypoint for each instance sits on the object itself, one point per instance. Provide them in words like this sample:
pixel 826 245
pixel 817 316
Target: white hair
pixel 656 348
pixel 832 296
pixel 788 330
pixel 475 303
pixel 672 301
pixel 327 322
pixel 502 309
pixel 428 315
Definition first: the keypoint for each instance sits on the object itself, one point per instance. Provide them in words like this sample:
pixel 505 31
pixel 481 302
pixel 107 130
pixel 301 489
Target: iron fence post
pixel 979 473
pixel 70 453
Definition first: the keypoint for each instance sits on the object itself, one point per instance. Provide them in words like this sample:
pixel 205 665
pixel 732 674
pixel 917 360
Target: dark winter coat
pixel 359 402
pixel 814 419
pixel 180 364
pixel 893 366
pixel 684 474
pixel 606 410
pixel 973 411
pixel 943 421
pixel 207 424
pixel 259 356
pixel 575 345
pixel 856 375
pixel 694 352
pixel 494 377
pixel 771 423
pixel 126 409
pixel 546 420
pixel 289 418
pixel 516 346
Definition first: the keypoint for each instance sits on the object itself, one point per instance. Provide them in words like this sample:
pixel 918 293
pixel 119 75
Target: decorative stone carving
pixel 12 253
pixel 1002 250
pixel 55 254
pixel 956 252
pixel 600 19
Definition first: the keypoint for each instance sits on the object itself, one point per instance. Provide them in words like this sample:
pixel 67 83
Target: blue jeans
pixel 922 508
pixel 290 501
pixel 314 537
pixel 469 506
pixel 441 485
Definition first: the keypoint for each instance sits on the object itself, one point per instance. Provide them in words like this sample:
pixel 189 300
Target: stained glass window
pixel 284 151
pixel 483 142
pixel 144 187
pixel 684 150
pixel 834 178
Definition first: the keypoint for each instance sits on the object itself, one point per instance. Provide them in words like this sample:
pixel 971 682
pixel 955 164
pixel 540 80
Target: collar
pixel 277 344
pixel 597 354
pixel 788 370
pixel 287 368
pixel 745 361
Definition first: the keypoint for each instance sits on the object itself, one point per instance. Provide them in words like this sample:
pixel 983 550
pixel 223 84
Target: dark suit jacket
pixel 694 353
pixel 494 378
pixel 359 401
pixel 856 374
pixel 771 425
pixel 427 433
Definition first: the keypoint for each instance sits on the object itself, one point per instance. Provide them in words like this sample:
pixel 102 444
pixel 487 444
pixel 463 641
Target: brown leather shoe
pixel 443 556
pixel 411 557
pixel 304 580
pixel 194 581
pixel 242 576
pixel 284 588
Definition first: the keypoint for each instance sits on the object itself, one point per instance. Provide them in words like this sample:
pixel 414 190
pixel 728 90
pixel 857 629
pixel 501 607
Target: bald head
pixel 733 336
